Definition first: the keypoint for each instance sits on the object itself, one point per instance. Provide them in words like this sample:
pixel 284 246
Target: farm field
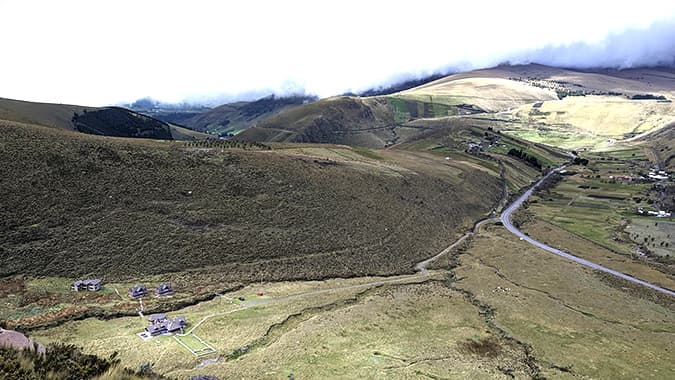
pixel 585 123
pixel 606 116
pixel 598 207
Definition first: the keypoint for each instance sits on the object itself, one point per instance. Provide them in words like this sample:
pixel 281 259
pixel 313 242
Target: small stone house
pixel 163 290
pixel 88 285
pixel 138 291
pixel 161 324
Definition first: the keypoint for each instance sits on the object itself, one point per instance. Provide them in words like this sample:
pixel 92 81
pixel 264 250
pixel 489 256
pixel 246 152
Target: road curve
pixel 506 221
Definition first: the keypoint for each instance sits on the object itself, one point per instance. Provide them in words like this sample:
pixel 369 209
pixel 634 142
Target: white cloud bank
pixel 104 52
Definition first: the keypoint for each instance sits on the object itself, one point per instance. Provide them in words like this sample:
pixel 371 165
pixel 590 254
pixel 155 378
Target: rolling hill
pixel 77 205
pixel 571 108
pixel 340 120
pixel 105 121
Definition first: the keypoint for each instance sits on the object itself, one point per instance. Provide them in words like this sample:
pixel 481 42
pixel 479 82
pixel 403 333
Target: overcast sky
pixel 105 52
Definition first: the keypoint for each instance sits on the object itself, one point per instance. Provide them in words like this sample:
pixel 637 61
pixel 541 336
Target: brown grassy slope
pixel 47 114
pixel 340 120
pixel 108 121
pixel 76 205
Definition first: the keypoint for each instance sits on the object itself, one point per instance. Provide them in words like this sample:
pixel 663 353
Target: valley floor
pixel 496 307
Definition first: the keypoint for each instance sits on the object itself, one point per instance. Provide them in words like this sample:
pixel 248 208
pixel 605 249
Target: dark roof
pixel 176 324
pixel 165 324
pixel 173 326
pixel 157 317
pixel 92 282
pixel 138 291
pixel 153 328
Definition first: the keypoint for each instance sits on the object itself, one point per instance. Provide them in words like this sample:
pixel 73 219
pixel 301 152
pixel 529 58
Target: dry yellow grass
pixel 491 94
pixel 571 316
pixel 399 332
pixel 610 116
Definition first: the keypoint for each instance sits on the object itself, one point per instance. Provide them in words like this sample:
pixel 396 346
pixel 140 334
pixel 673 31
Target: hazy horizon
pixel 101 53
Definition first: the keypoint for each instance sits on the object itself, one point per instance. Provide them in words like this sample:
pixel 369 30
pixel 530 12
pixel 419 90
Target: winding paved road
pixel 506 220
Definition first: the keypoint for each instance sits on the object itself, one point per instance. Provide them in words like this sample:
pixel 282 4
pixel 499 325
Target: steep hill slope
pixel 106 121
pixel 76 205
pixel 662 144
pixel 120 122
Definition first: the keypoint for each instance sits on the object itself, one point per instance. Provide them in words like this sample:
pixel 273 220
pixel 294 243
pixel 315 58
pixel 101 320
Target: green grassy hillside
pixel 76 205
pixel 479 141
pixel 375 122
